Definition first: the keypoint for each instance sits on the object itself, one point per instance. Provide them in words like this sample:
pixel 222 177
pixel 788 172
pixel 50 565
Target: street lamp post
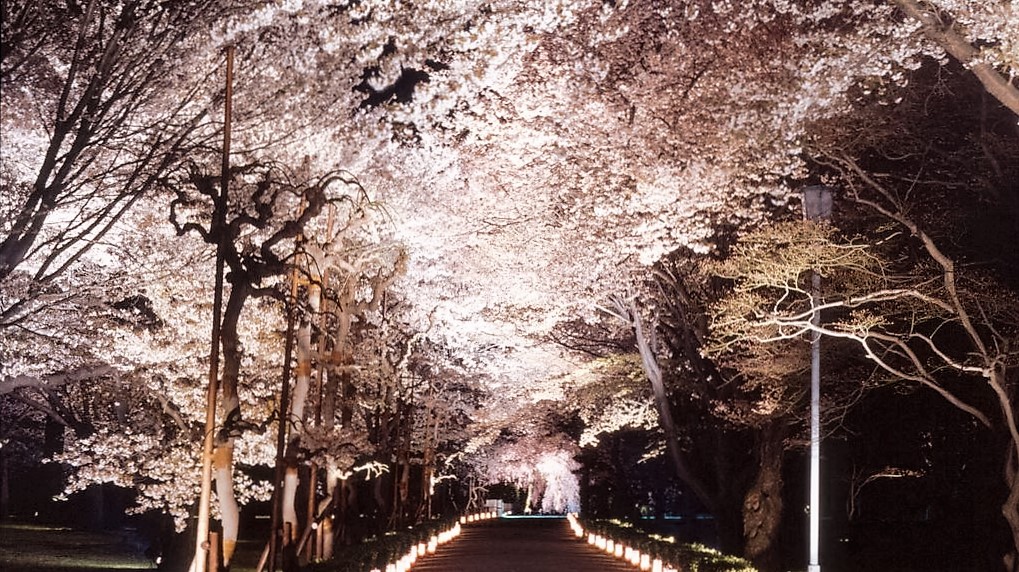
pixel 817 201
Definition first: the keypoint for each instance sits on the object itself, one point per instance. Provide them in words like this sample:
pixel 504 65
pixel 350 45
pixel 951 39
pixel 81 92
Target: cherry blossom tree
pixel 541 465
pixel 963 243
pixel 976 35
pixel 92 122
pixel 254 226
pixel 529 161
pixel 348 268
pixel 137 423
pixel 97 106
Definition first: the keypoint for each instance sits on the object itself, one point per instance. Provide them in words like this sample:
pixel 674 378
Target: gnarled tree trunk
pixel 762 506
pixel 302 385
pixel 233 423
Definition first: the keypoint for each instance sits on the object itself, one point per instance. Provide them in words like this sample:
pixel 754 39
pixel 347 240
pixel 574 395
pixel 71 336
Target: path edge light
pixel 817 204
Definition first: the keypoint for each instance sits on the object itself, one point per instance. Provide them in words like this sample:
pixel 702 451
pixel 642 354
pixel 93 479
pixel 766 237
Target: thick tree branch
pixel 956 45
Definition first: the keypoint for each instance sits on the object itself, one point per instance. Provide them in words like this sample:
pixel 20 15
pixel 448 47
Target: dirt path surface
pixel 519 545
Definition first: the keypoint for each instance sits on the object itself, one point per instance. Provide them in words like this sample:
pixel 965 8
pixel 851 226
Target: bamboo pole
pixel 218 228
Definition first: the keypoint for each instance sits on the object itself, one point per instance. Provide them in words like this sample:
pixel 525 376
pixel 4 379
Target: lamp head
pixel 817 201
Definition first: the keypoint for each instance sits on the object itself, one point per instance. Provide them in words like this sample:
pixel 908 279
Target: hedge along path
pixel 519 545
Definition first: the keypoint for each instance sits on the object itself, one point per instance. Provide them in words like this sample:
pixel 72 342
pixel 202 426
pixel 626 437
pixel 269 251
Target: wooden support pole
pixel 284 418
pixel 213 552
pixel 217 229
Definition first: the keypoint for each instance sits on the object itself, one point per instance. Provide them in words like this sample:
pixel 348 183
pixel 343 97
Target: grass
pixel 35 548
pixel 40 548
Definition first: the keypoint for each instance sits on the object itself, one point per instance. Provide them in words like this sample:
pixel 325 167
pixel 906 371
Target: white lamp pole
pixel 817 201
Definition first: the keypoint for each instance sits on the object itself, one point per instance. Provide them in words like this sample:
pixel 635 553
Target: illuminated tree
pixel 529 160
pixel 97 106
pixel 977 35
pixel 930 322
pixel 348 269
pixel 952 190
pixel 141 399
pixel 90 123
pixel 541 465
pixel 725 428
pixel 255 226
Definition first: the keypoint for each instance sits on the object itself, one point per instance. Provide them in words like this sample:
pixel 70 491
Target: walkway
pixel 519 545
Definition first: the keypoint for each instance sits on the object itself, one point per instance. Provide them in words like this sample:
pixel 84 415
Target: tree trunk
pixel 291 479
pixel 333 493
pixel 1010 509
pixel 731 484
pixel 348 390
pixel 404 483
pixel 428 461
pixel 222 472
pixel 654 375
pixel 348 489
pixel 999 382
pixel 394 516
pixel 762 507
pixel 342 510
pixel 232 420
pixel 302 385
pixel 378 493
pixel 338 375
pixel 328 528
pixel 5 486
pixel 311 549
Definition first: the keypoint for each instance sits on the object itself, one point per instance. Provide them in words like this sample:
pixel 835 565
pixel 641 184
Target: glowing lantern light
pixel 656 565
pixel 575 525
pixel 591 538
pixel 619 550
pixel 433 543
pixel 645 562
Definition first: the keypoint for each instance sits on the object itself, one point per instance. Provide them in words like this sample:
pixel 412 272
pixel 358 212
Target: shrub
pixel 685 557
